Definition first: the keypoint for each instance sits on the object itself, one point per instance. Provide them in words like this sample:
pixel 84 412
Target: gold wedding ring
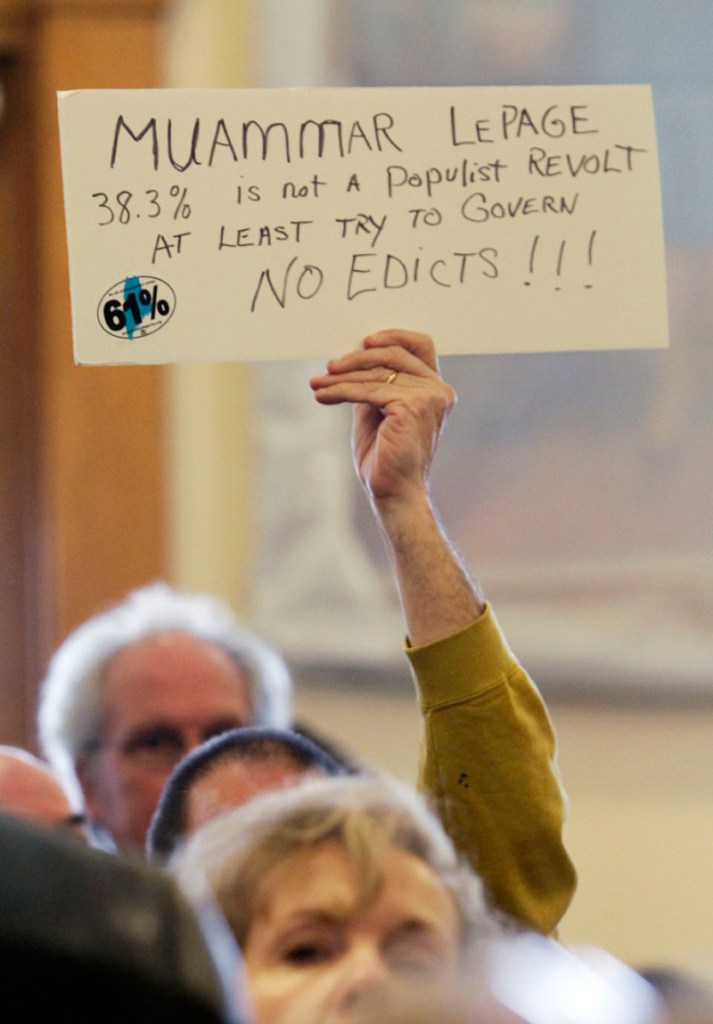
pixel 392 377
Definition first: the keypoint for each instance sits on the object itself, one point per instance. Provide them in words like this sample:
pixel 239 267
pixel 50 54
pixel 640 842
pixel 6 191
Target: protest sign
pixel 219 225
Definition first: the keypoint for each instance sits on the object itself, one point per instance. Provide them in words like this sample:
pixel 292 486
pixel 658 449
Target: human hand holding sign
pixel 401 403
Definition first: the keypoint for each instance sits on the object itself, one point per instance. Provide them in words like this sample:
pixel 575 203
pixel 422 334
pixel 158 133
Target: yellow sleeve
pixel 489 769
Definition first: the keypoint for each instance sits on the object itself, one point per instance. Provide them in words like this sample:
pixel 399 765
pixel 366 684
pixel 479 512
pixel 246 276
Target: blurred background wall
pixel 181 485
pixel 639 771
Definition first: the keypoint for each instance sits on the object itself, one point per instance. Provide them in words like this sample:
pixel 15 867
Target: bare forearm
pixel 438 596
pixel 401 403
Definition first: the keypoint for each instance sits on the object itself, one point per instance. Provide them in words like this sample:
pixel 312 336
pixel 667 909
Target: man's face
pixel 162 696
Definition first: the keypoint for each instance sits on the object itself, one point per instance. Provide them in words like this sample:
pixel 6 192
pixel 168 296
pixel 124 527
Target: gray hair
pixel 367 816
pixel 70 711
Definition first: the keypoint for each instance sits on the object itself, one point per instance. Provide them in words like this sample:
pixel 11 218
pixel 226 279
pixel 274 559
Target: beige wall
pixel 210 467
pixel 641 829
pixel 640 781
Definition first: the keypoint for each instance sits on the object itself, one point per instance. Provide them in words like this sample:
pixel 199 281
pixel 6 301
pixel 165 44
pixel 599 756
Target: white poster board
pixel 231 225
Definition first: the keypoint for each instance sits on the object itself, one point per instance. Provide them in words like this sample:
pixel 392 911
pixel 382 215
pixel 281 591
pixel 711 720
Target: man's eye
pixel 155 740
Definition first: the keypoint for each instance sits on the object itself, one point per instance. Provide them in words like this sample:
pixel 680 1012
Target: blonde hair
pixel 366 816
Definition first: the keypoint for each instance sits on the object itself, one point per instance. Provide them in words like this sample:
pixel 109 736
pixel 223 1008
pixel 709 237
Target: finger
pixel 378 374
pixel 420 345
pixel 354 388
pixel 369 392
pixel 393 357
pixel 416 392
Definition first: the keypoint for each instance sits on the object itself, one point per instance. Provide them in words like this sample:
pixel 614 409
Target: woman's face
pixel 313 958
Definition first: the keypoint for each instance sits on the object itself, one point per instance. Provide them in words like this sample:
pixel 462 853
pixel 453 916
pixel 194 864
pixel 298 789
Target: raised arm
pixel 489 753
pixel 400 406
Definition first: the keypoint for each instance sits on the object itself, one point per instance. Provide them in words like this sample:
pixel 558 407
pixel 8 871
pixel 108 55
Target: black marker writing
pixel 306 285
pixel 362 224
pixel 554 121
pixel 209 142
pixel 477 208
pixel 613 160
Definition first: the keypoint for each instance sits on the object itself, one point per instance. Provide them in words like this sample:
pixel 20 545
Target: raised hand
pixel 400 406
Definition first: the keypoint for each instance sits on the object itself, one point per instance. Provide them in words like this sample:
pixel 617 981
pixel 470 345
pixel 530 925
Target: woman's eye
pixel 306 953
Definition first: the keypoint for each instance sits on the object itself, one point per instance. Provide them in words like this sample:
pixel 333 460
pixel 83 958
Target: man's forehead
pixel 174 674
pixel 165 642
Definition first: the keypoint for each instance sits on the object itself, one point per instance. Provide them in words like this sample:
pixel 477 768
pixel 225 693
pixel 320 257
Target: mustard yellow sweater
pixel 489 769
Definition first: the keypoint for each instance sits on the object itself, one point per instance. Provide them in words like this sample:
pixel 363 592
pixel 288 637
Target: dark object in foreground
pixel 96 936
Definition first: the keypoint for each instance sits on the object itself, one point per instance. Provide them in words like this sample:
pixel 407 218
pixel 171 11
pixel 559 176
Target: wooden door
pixel 81 448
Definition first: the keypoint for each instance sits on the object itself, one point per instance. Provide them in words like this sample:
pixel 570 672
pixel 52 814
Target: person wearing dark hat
pixel 228 771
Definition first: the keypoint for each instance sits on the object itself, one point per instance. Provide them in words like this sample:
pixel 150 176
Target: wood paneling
pixel 82 448
pixel 18 427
